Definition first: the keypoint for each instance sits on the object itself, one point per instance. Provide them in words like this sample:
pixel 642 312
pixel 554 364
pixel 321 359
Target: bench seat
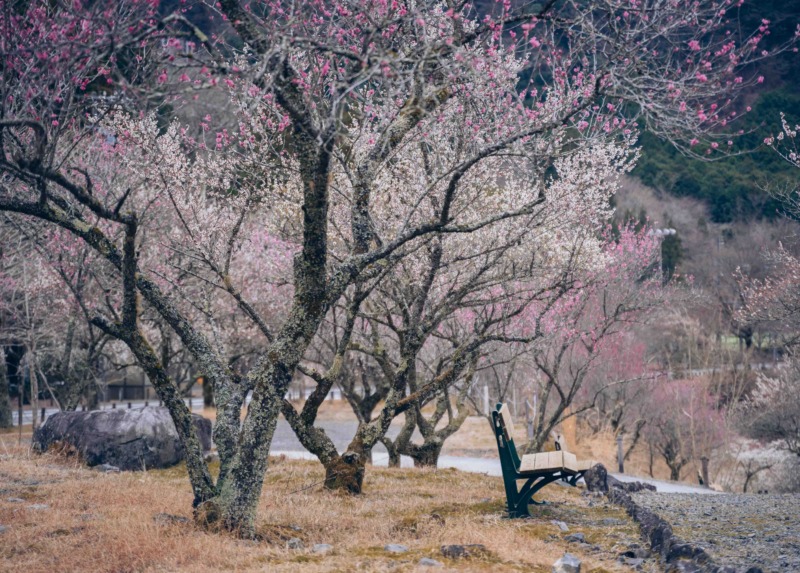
pixel 560 460
pixel 537 470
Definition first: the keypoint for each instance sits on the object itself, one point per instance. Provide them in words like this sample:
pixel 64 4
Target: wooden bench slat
pixel 508 421
pixel 541 462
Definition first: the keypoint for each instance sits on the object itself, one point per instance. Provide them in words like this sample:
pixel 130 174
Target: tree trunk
pixel 238 497
pixel 674 471
pixel 346 472
pixel 394 455
pixel 208 392
pixel 427 455
pixel 229 396
pixel 34 398
pixel 6 419
pixel 92 397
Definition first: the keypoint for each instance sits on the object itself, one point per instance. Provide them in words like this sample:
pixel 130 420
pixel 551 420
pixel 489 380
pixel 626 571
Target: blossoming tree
pixel 328 95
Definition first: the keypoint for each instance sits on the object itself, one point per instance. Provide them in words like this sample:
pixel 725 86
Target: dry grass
pixel 104 522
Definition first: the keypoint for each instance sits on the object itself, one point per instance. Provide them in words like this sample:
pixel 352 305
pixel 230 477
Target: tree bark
pixel 6 419
pixel 426 455
pixel 34 398
pixel 237 502
pixel 346 472
pixel 208 392
pixel 394 455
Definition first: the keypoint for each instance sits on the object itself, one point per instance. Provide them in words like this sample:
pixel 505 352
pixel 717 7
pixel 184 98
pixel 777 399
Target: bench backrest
pixel 504 432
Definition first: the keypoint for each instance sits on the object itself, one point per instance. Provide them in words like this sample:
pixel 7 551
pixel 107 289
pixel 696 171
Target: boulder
pixel 598 480
pixel 127 439
pixel 567 564
pixel 575 538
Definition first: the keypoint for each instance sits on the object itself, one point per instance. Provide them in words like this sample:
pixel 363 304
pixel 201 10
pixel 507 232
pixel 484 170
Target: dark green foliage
pixel 733 187
pixel 671 255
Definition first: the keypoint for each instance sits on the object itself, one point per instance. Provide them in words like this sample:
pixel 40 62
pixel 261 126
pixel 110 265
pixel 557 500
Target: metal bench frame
pixel 518 499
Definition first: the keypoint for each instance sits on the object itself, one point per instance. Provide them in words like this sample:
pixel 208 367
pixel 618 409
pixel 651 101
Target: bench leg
pixel 519 507
pixel 573 479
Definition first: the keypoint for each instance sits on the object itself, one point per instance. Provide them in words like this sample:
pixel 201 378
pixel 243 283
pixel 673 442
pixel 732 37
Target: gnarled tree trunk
pixel 346 472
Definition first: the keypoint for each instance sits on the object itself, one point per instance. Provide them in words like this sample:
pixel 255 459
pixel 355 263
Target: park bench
pixel 537 470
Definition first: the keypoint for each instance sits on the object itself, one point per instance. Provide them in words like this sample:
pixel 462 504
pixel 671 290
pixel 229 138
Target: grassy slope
pixel 104 522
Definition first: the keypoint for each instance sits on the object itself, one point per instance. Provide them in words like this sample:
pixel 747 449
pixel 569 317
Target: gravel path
pixel 735 529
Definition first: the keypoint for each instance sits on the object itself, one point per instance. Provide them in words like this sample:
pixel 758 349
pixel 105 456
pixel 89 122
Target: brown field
pixel 105 522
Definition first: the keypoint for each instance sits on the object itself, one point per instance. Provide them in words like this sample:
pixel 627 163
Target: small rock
pixel 295 527
pixel 211 457
pixel 321 548
pixel 106 469
pixel 463 551
pixel 169 519
pixel 395 548
pixel 295 543
pixel 428 562
pixel 635 552
pixel 560 524
pixel 612 521
pixel 15 500
pixel 567 564
pixel 575 538
pixel 38 506
pixel 3 529
pixel 632 562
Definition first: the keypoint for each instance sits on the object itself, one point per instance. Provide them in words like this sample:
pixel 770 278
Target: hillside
pixel 734 187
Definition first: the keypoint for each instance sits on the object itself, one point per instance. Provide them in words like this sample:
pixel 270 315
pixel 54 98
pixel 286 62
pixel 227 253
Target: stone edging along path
pixel 677 555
